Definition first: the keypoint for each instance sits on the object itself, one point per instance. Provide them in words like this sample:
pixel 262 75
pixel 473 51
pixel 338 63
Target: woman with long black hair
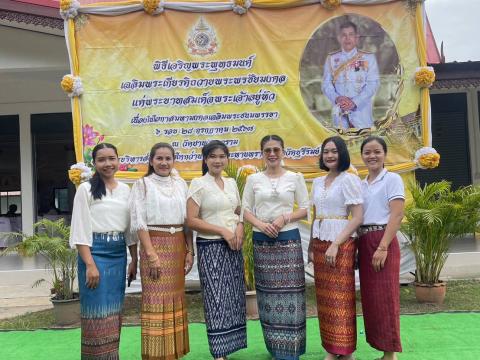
pixel 213 209
pixel 100 230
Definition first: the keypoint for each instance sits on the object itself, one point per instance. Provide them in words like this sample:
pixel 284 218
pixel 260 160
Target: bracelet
pixel 288 218
pixel 381 248
pixel 189 251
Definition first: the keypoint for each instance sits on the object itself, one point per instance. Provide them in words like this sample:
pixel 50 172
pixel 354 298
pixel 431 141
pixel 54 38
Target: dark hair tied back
pixel 268 138
pixel 98 188
pixel 208 149
pixel 374 138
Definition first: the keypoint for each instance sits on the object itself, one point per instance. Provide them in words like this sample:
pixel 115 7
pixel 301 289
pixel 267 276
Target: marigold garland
pixel 427 158
pixel 240 7
pixel 69 9
pixel 424 76
pixel 247 170
pixel 72 85
pixel 79 173
pixel 153 7
pixel 331 4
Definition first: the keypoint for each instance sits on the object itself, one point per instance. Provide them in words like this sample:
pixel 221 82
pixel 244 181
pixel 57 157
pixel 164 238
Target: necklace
pixel 274 182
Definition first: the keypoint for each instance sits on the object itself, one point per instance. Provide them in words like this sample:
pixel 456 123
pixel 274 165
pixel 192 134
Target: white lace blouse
pixel 268 198
pixel 110 213
pixel 158 200
pixel 217 206
pixel 331 204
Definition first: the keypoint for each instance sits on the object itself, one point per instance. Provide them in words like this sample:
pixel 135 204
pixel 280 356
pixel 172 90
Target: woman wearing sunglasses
pixel 268 204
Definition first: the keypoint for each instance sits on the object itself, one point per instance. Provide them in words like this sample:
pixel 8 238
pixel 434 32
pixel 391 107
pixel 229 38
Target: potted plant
pixel 50 240
pixel 435 217
pixel 240 175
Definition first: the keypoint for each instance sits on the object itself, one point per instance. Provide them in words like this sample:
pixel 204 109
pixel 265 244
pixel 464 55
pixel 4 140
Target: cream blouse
pixel 110 213
pixel 331 205
pixel 217 206
pixel 268 198
pixel 158 200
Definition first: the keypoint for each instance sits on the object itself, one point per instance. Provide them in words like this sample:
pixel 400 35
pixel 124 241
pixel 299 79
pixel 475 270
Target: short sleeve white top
pixel 110 213
pixel 377 195
pixel 217 206
pixel 332 204
pixel 268 198
pixel 158 200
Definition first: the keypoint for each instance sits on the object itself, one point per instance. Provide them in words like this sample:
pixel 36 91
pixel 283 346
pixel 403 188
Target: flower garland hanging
pixel 72 85
pixel 427 158
pixel 331 4
pixel 153 7
pixel 240 7
pixel 69 9
pixel 424 76
pixel 247 170
pixel 79 173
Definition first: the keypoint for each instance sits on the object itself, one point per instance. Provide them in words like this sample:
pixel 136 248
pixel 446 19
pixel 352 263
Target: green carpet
pixel 441 336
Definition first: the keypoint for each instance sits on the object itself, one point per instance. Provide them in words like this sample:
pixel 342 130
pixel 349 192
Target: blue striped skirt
pixel 280 285
pixel 100 308
pixel 222 280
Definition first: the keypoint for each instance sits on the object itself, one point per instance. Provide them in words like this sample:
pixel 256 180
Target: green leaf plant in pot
pixel 437 216
pixel 50 240
pixel 240 175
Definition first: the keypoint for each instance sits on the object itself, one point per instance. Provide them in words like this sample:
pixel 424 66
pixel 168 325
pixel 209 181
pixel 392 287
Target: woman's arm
pixel 310 243
pixel 268 229
pixel 132 267
pixel 394 222
pixel 190 251
pixel 93 276
pixel 152 257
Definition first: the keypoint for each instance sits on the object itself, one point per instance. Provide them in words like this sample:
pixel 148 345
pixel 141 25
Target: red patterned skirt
pixel 335 290
pixel 380 293
pixel 164 313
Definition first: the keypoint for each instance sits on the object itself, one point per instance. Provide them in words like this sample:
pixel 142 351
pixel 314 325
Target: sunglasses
pixel 275 150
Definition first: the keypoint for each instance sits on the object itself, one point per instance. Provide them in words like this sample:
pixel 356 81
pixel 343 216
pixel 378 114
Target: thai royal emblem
pixel 202 40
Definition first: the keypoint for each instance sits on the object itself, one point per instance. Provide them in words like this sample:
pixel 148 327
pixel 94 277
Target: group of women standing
pixel 161 211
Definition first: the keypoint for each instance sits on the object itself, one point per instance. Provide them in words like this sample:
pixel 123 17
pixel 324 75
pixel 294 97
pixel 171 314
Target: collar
pixel 351 53
pixel 378 178
pixel 161 179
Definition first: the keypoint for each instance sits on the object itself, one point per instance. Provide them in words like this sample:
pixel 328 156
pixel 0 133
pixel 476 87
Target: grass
pixel 462 295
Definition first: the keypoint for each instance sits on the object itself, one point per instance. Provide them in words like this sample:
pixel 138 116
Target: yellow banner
pixel 303 73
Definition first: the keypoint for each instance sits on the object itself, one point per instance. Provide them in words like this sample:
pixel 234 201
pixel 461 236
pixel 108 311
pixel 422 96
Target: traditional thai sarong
pixel 164 312
pixel 222 279
pixel 100 308
pixel 335 290
pixel 280 285
pixel 380 293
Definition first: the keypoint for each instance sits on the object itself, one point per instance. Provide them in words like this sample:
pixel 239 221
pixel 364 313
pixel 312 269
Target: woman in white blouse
pixel 379 251
pixel 213 208
pixel 332 248
pixel 268 204
pixel 100 230
pixel 158 212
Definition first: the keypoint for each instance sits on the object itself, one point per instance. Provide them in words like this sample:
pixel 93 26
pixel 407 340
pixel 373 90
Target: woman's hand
pixel 230 238
pixel 379 258
pixel 331 254
pixel 132 269
pixel 188 262
pixel 310 252
pixel 268 229
pixel 279 222
pixel 239 235
pixel 92 276
pixel 153 266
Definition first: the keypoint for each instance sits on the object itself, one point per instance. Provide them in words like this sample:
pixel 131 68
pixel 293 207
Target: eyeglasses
pixel 275 150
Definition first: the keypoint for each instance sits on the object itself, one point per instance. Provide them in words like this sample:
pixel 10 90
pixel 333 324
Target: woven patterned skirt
pixel 100 308
pixel 223 284
pixel 380 293
pixel 335 290
pixel 280 285
pixel 164 312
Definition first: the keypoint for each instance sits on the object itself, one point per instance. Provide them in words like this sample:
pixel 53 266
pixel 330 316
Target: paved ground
pixel 18 274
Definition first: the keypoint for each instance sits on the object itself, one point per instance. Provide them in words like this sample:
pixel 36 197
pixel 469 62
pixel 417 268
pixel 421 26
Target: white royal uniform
pixel 354 75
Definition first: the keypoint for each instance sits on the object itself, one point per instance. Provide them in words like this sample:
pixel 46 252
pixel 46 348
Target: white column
pixel 26 173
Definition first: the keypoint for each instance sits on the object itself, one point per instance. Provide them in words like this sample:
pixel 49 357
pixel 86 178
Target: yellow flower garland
pixel 150 6
pixel 424 76
pixel 241 3
pixel 65 4
pixel 75 176
pixel 331 4
pixel 67 83
pixel 429 161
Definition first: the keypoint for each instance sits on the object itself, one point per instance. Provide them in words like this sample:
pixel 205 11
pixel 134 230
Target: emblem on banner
pixel 202 40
